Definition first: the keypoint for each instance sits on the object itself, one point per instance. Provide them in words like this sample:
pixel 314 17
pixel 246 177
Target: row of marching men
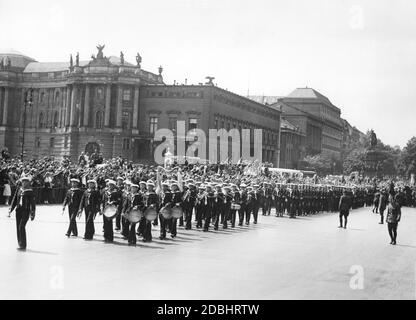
pixel 133 209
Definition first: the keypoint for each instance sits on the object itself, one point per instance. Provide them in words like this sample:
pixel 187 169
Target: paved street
pixel 306 258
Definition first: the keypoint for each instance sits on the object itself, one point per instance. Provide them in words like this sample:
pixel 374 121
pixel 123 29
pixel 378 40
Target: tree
pixel 322 163
pixel 407 159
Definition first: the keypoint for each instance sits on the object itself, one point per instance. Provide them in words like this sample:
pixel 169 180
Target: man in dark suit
pixel 25 205
pixel 344 209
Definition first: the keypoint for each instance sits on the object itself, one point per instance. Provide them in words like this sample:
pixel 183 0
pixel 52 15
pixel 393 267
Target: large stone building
pixel 314 104
pixel 113 106
pixel 292 145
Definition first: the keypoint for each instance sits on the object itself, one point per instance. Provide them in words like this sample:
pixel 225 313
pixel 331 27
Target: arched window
pixel 56 119
pixel 56 97
pixel 41 121
pixel 99 120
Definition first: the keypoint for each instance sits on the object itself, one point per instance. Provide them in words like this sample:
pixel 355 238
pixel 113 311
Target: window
pixel 193 123
pixel 126 94
pixel 99 120
pixel 41 121
pixel 57 97
pixel 173 123
pixel 216 124
pixel 100 93
pixel 153 124
pixel 37 142
pixel 66 142
pixel 55 119
pixel 125 120
pixel 126 144
pixel 51 75
pixel 42 97
pixel 51 142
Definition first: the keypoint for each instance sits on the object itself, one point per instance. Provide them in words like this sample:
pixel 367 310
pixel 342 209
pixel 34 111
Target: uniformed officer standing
pixel 344 209
pixel 90 203
pixel 73 201
pixel 25 205
pixel 383 205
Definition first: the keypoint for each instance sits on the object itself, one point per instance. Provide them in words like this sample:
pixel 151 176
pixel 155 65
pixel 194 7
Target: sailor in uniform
pixel 90 203
pixel 73 200
pixel 25 205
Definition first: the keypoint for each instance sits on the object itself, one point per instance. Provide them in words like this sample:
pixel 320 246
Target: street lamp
pixel 28 101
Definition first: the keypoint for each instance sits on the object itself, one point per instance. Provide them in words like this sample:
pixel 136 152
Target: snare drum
pixel 110 211
pixel 166 212
pixel 150 214
pixel 134 216
pixel 177 212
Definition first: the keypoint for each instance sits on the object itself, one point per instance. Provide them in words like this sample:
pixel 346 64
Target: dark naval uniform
pixel 110 197
pixel 90 203
pixel 73 201
pixel 25 205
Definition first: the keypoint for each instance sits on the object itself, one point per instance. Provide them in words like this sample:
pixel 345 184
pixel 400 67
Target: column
pixel 119 106
pixel 68 106
pixel 73 106
pixel 5 105
pixel 87 105
pixel 136 107
pixel 107 105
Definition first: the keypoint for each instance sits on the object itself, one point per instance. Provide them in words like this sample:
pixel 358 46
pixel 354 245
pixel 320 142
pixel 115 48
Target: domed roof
pixel 17 59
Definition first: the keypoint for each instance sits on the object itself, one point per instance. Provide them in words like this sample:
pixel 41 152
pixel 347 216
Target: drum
pixel 235 206
pixel 150 214
pixel 110 211
pixel 166 212
pixel 134 215
pixel 177 212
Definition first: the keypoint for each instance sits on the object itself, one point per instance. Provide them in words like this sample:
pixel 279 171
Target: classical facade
pixel 108 105
pixel 292 145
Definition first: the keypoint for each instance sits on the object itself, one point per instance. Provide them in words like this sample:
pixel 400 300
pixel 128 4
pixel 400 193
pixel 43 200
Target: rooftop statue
pixel 100 54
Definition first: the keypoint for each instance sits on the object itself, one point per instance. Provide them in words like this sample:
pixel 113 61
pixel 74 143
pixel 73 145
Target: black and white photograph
pixel 207 150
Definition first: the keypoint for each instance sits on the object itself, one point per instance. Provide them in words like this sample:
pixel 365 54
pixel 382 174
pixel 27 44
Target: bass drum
pixel 150 214
pixel 134 216
pixel 166 212
pixel 110 211
pixel 177 212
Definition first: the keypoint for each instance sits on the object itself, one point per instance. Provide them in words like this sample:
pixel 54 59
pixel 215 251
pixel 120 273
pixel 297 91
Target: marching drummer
pixel 152 200
pixel 135 203
pixel 166 199
pixel 176 201
pixel 90 203
pixel 125 224
pixel 112 197
pixel 73 201
pixel 142 223
pixel 209 206
pixel 236 197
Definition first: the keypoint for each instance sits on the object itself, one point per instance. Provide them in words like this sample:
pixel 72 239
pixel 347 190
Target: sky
pixel 360 54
